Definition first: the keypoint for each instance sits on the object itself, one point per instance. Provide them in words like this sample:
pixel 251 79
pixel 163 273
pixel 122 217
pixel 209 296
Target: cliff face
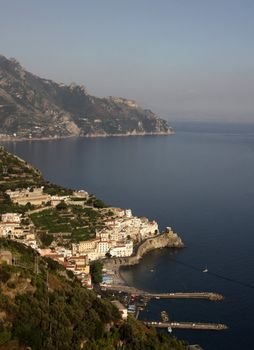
pixel 167 239
pixel 32 107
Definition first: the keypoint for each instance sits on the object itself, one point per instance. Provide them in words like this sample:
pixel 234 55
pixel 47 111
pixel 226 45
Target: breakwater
pixel 166 239
pixel 188 325
pixel 177 295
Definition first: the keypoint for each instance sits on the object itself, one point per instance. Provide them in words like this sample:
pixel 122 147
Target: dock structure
pixel 179 295
pixel 188 325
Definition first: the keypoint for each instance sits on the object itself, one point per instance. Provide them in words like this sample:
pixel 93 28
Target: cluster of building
pixel 78 265
pixel 37 197
pixel 11 227
pixel 34 196
pixel 117 237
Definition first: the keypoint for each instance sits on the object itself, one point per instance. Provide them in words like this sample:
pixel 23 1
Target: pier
pixel 188 325
pixel 179 295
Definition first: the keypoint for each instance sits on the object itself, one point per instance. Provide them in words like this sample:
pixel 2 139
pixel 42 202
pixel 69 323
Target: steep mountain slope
pixel 34 107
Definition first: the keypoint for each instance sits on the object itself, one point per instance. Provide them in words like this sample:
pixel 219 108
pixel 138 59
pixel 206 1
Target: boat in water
pixel 164 316
pixel 205 270
pixel 170 329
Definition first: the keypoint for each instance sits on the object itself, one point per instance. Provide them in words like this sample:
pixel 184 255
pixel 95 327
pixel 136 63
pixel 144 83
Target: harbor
pixel 136 300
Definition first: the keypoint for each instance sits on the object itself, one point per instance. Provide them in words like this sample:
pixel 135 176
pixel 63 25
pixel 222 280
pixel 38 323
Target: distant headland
pixel 35 108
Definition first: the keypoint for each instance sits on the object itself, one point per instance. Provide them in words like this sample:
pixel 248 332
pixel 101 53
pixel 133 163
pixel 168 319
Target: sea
pixel 200 182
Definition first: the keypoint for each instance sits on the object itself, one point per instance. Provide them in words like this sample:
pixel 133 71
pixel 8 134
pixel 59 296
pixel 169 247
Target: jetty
pixel 178 295
pixel 188 325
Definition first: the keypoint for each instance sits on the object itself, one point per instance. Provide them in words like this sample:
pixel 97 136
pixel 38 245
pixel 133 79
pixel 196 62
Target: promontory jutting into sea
pixel 126 175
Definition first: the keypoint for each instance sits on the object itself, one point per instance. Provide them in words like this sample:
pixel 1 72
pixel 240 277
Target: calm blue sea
pixel 200 182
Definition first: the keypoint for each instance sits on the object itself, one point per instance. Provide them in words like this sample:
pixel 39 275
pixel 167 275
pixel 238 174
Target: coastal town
pixel 121 231
pixel 75 230
pixel 57 241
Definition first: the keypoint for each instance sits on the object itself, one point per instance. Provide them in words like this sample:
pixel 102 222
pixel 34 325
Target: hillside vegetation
pixel 43 308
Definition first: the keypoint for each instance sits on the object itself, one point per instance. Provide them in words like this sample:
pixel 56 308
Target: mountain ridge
pixel 34 107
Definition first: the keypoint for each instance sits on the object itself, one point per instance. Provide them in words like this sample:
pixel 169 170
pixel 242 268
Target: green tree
pixel 46 239
pixel 61 206
pixel 96 272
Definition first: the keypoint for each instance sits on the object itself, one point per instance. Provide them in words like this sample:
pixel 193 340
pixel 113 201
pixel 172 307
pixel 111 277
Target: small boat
pixel 164 316
pixel 205 270
pixel 152 270
pixel 170 330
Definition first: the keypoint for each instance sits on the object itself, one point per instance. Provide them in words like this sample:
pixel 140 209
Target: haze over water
pixel 200 182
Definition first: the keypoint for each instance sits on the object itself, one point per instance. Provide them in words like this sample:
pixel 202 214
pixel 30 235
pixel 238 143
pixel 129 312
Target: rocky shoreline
pixel 167 239
pixel 96 135
pixel 134 133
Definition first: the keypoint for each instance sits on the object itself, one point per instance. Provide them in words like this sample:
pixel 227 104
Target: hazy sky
pixel 185 59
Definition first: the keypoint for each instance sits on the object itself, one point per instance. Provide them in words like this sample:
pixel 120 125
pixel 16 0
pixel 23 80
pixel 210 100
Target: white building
pixel 10 225
pixel 63 251
pixel 55 200
pixel 12 217
pixel 122 249
pixel 7 228
pixel 81 194
pixel 103 248
pixel 128 213
pixel 104 235
pixel 148 229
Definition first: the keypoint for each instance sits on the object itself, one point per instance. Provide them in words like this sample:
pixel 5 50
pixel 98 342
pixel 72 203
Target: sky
pixel 184 59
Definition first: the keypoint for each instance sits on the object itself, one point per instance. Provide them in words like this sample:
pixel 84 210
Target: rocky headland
pixel 167 239
pixel 35 108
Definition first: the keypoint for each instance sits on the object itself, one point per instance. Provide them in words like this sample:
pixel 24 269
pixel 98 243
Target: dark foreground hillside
pixel 42 307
